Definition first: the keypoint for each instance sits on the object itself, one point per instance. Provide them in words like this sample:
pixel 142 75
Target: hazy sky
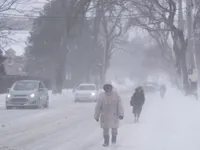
pixel 20 42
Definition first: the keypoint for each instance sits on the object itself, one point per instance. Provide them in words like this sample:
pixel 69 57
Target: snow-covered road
pixel 170 124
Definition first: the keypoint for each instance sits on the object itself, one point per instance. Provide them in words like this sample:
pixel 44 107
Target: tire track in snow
pixel 41 127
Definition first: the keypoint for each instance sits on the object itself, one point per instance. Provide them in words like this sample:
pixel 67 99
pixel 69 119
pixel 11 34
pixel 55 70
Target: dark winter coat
pixel 138 99
pixel 163 88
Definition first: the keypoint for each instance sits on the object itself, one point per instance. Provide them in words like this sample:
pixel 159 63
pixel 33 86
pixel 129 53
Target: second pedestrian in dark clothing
pixel 162 91
pixel 137 101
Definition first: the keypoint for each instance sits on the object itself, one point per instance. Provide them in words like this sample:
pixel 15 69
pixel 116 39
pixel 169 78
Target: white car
pixel 27 93
pixel 86 92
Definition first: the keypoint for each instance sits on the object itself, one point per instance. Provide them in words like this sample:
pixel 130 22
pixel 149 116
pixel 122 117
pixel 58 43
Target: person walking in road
pixel 109 110
pixel 137 101
pixel 162 91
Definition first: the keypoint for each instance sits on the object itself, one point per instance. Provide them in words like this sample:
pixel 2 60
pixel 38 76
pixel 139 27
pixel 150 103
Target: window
pixel 86 87
pixel 25 86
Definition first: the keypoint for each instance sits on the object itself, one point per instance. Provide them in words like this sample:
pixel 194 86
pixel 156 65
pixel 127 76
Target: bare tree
pixel 108 27
pixel 6 7
pixel 8 21
pixel 71 11
pixel 158 18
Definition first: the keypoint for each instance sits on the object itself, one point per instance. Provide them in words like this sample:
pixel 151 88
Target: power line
pixel 11 16
pixel 26 16
pixel 62 17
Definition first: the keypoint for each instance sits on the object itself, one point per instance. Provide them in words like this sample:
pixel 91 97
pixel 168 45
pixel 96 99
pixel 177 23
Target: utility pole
pixel 191 60
pixel 191 33
pixel 180 15
pixel 104 65
pixel 180 27
pixel 99 15
pixel 194 36
pixel 194 49
pixel 190 55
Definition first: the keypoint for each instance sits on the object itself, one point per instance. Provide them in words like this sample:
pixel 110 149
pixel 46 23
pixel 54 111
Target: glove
pixel 97 120
pixel 121 117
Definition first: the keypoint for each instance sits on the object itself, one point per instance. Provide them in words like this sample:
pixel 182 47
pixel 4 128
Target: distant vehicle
pixel 86 92
pixel 150 87
pixel 26 93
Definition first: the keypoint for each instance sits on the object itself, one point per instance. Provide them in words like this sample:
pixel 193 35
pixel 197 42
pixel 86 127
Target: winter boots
pixel 106 141
pixel 114 139
pixel 136 119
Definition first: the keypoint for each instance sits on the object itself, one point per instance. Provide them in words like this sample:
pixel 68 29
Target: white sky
pixel 20 42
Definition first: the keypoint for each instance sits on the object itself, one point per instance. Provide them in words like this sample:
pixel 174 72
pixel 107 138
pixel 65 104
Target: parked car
pixel 86 92
pixel 26 93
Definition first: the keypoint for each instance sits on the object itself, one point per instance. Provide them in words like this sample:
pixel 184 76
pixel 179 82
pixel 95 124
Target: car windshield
pixel 86 87
pixel 25 86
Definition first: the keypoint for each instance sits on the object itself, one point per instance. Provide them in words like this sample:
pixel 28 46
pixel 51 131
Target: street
pixel 166 124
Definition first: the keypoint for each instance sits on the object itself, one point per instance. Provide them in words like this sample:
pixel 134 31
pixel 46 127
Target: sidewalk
pixel 2 100
pixel 172 123
pixel 169 124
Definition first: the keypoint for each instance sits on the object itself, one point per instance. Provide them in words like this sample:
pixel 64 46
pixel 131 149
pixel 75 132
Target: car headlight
pixel 32 95
pixel 8 96
pixel 93 94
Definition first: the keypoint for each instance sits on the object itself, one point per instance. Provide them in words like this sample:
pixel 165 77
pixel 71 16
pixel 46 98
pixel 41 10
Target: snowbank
pixel 2 100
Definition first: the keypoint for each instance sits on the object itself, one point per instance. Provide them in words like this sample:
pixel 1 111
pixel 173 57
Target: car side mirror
pixel 74 90
pixel 8 90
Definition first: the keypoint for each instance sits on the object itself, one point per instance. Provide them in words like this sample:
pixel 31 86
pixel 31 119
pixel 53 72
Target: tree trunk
pixel 61 68
pixel 180 15
pixel 106 60
pixel 179 47
pixel 69 13
pixel 190 58
pixel 184 72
